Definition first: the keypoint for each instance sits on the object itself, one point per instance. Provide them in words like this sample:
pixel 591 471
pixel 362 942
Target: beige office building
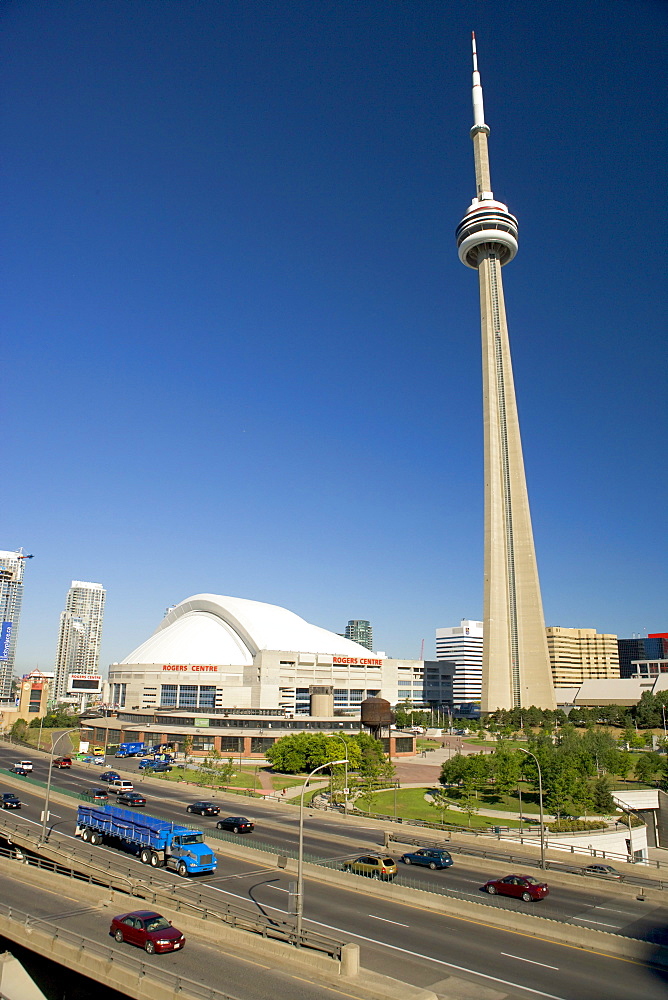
pixel 581 654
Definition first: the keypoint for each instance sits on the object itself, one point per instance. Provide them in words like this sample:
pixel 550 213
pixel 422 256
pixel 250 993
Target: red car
pixel 521 886
pixel 148 930
pixel 62 762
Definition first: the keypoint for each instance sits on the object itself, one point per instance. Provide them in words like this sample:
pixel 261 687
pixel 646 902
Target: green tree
pixel 187 746
pixel 603 803
pixel 469 800
pixel 300 753
pixel 19 729
pixel 581 797
pixel 439 800
pixel 646 767
pixel 557 793
pixel 505 768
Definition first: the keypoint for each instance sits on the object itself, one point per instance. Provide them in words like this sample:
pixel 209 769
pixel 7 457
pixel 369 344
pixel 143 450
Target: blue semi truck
pixel 157 842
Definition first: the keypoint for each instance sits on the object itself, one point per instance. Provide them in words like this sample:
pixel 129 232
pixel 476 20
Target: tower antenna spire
pixel 478 107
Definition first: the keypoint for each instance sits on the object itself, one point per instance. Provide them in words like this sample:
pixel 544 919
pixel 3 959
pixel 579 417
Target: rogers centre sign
pixel 208 669
pixel 354 659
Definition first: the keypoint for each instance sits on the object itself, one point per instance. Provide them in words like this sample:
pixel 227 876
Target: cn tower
pixel 516 667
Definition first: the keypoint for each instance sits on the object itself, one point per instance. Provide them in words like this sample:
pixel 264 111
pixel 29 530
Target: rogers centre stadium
pixel 216 665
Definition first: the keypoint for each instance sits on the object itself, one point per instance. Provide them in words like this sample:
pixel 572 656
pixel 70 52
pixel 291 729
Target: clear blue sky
pixel 241 355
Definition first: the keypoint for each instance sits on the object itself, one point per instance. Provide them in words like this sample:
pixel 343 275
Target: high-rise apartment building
pixel 581 654
pixel 360 631
pixel 516 666
pixel 653 647
pixel 463 646
pixel 11 598
pixel 80 634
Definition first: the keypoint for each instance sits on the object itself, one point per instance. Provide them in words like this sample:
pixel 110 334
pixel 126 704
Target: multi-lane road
pixel 396 938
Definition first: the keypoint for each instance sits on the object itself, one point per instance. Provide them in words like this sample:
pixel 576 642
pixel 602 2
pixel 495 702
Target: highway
pixel 399 939
pixel 240 977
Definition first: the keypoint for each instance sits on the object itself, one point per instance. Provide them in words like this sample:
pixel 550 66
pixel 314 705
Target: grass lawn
pixel 411 804
pixel 69 744
pixel 280 781
pixel 244 778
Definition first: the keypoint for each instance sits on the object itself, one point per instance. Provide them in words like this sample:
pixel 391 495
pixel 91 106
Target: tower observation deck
pixel 516 668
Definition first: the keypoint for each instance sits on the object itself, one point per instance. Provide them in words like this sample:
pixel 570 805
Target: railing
pixel 528 862
pixel 181 896
pixel 121 959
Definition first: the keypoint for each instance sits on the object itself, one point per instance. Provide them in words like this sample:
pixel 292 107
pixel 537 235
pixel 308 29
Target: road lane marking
pixel 439 961
pixel 610 909
pixel 520 959
pixel 397 923
pixel 599 922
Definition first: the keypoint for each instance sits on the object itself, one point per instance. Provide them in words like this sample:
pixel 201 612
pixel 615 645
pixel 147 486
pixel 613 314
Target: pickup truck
pixel 157 842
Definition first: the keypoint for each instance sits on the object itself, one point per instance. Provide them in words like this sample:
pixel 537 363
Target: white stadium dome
pixel 209 628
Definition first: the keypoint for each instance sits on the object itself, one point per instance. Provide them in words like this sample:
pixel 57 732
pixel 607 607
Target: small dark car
pixel 97 794
pixel 10 801
pixel 110 776
pixel 17 769
pixel 148 930
pixel 428 857
pixel 237 824
pixel 520 886
pixel 131 799
pixel 203 808
pixel 373 866
pixel 603 871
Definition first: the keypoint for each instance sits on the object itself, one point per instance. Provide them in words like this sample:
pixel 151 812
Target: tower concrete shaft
pixel 516 667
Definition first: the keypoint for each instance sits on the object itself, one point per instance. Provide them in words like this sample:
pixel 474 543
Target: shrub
pixel 575 825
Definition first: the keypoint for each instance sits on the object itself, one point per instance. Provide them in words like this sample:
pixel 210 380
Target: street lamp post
pixel 45 814
pixel 540 800
pixel 299 909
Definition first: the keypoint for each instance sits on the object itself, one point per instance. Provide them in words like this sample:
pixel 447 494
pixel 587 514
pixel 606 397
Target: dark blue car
pixel 428 857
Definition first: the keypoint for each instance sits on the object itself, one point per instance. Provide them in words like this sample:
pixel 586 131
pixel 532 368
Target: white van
pixel 121 785
pixel 25 764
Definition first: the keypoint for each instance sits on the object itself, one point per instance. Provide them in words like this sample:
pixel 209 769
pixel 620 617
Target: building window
pixel 187 696
pixel 168 695
pixel 207 696
pixel 202 743
pixel 234 744
pixel 118 695
pixel 261 743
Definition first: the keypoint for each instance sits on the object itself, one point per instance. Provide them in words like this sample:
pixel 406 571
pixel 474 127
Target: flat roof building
pixel 581 654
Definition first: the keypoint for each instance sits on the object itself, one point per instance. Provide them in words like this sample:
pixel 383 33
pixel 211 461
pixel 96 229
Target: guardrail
pixel 124 963
pixel 182 896
pixel 528 862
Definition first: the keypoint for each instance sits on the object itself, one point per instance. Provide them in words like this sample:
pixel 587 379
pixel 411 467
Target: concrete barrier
pixel 99 963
